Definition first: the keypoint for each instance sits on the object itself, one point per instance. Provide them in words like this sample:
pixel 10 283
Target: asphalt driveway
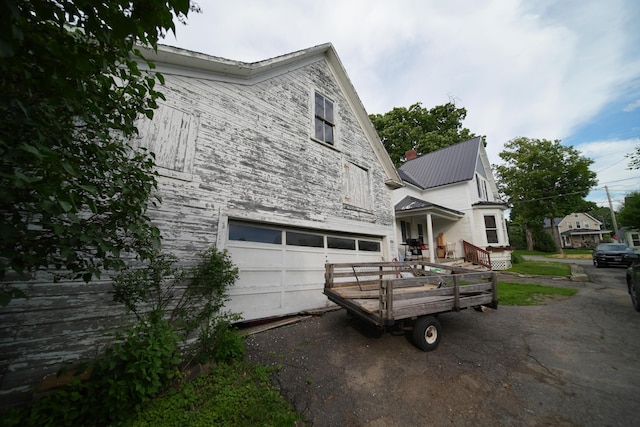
pixel 570 362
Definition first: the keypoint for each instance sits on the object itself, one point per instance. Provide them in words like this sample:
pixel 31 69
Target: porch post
pixel 432 248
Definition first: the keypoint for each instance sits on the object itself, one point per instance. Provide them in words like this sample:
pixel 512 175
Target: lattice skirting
pixel 501 262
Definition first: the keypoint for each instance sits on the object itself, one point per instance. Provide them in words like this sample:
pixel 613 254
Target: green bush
pixel 516 258
pixel 542 241
pixel 179 319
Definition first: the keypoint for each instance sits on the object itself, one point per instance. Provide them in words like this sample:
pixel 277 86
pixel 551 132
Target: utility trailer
pixel 408 296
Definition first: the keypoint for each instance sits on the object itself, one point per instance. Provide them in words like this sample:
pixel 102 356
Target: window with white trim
pixel 577 224
pixel 491 228
pixel 324 123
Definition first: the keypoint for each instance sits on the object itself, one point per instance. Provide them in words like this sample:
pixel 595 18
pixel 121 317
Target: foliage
pixel 142 363
pixel 73 189
pixel 227 344
pixel 525 294
pixel 542 268
pixel 170 305
pixel 543 179
pixel 629 213
pixel 516 258
pixel 602 214
pixel 417 128
pixel 634 158
pixel 543 241
pixel 191 299
pixel 232 394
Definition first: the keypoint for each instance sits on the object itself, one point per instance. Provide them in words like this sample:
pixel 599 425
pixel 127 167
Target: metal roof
pixel 449 165
pixel 410 203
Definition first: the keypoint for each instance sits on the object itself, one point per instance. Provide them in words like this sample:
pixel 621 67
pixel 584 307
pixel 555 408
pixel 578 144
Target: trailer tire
pixel 426 333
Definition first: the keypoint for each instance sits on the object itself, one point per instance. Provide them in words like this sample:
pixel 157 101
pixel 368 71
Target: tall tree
pixel 544 179
pixel 73 190
pixel 629 213
pixel 417 128
pixel 634 158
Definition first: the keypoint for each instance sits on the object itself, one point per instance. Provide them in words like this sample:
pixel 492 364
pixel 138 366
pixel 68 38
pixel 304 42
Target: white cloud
pixel 613 171
pixel 633 106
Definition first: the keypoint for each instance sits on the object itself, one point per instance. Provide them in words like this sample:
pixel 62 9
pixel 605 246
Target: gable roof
pixel 410 203
pixel 185 62
pixel 558 220
pixel 448 165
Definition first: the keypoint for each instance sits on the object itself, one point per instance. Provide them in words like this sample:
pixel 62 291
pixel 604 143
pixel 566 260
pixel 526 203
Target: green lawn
pixel 526 294
pixel 542 268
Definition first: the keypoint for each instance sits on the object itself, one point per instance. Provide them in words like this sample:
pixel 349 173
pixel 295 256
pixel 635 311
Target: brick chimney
pixel 410 155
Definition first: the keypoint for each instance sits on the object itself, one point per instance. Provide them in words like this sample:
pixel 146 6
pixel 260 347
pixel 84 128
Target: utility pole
pixel 613 215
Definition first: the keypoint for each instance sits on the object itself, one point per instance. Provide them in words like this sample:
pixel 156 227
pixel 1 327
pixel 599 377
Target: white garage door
pixel 282 269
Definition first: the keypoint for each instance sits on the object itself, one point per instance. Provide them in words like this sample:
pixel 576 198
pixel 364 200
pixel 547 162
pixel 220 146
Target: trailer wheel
pixel 426 333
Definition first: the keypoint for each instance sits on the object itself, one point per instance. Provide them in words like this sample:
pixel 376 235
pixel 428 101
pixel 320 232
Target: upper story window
pixel 324 123
pixel 481 185
pixel 586 224
pixel 570 225
pixel 577 224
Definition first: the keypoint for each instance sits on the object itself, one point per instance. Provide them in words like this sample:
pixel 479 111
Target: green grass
pixel 526 294
pixel 235 394
pixel 542 268
pixel 526 252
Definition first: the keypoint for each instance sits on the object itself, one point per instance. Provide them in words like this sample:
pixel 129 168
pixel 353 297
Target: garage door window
pixel 304 239
pixel 369 246
pixel 245 232
pixel 340 243
pixel 249 233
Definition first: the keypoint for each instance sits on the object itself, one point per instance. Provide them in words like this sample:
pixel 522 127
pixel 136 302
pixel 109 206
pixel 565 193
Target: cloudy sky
pixel 552 69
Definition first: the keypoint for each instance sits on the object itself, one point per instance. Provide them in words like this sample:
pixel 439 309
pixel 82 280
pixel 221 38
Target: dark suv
pixel 633 281
pixel 606 254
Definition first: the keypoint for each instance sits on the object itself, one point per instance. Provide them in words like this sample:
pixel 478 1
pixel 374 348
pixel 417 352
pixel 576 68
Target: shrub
pixel 542 241
pixel 179 319
pixel 516 258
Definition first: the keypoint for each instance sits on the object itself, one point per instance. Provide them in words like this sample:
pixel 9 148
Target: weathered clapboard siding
pixel 65 321
pixel 228 145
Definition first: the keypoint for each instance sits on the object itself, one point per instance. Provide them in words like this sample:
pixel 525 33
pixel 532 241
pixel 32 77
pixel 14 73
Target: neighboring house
pixel 276 161
pixel 578 230
pixel 450 203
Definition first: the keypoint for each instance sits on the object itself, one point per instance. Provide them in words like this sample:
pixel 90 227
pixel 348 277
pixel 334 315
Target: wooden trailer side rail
pixel 381 292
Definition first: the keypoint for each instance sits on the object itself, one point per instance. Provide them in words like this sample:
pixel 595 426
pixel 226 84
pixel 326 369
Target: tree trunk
pixel 556 237
pixel 529 237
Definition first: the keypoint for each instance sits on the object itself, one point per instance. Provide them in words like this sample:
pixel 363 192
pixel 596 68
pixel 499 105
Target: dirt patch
pixel 571 256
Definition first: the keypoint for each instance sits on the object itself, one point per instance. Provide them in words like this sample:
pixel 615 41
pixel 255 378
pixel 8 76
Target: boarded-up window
pixel 357 190
pixel 171 135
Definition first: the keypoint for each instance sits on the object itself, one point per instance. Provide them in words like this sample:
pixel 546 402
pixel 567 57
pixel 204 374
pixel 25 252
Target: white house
pixel 450 203
pixel 275 161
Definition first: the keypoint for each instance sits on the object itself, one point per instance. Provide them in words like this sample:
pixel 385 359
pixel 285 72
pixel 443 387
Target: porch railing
pixel 476 255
